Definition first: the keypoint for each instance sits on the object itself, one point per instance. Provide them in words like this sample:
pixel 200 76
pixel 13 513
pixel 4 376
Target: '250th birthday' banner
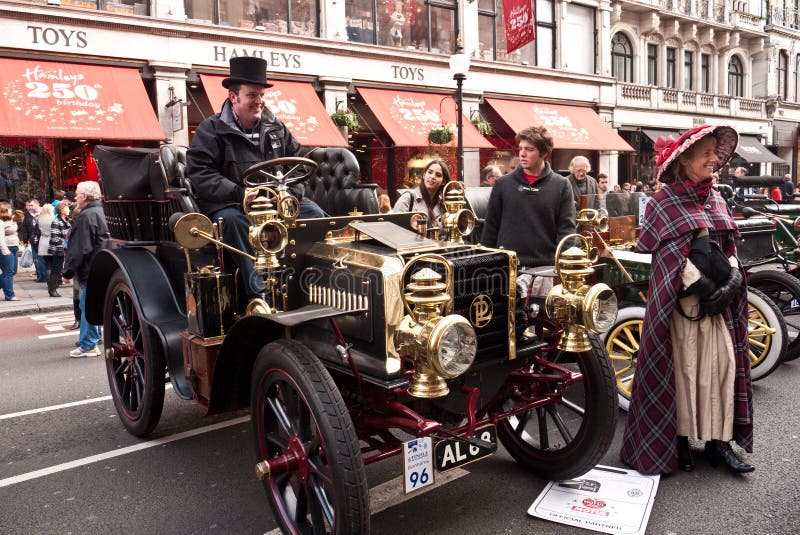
pixel 518 17
pixel 68 100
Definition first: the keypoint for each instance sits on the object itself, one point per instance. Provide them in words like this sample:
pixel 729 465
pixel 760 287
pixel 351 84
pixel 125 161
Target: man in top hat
pixel 244 133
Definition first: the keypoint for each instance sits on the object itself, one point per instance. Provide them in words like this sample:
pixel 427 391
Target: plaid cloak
pixel 672 216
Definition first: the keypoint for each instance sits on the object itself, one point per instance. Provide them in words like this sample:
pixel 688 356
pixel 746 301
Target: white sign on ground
pixel 606 499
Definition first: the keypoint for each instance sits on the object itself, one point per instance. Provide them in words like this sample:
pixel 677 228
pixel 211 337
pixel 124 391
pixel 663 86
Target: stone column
pixel 170 80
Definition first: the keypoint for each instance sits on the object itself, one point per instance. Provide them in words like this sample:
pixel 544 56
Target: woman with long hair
pixel 46 217
pixel 9 245
pixel 427 196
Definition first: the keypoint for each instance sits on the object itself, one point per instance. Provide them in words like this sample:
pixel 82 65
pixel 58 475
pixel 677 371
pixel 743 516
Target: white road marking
pixel 7 482
pixel 58 335
pixel 54 327
pixel 53 408
pixel 390 493
pixel 61 406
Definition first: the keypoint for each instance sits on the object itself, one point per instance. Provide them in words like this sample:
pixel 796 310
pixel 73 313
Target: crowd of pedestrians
pixel 59 245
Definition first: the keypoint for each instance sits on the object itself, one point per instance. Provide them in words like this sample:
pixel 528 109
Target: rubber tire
pixel 149 364
pixel 629 319
pixel 777 346
pixel 595 433
pixel 296 367
pixel 768 281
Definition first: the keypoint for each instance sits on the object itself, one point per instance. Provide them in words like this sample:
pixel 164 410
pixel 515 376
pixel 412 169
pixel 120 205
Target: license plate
pixel 454 452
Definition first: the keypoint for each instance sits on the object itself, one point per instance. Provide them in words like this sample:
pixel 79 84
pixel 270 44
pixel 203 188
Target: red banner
pixel 518 15
pixel 68 100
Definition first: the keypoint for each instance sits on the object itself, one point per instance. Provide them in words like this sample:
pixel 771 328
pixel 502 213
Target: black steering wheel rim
pixel 301 170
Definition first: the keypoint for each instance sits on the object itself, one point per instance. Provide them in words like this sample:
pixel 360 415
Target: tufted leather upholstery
pixel 334 186
pixel 173 166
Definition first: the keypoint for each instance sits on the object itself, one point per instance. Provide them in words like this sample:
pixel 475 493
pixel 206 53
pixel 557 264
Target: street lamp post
pixel 459 66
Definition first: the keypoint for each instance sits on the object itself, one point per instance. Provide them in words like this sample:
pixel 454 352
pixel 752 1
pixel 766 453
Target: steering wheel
pixel 270 173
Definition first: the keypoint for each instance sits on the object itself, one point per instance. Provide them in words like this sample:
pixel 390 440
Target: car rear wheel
pixel 134 367
pixel 622 345
pixel 308 453
pixel 783 289
pixel 566 438
pixel 766 334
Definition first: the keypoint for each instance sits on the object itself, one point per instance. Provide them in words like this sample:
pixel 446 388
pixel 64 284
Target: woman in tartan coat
pixel 693 370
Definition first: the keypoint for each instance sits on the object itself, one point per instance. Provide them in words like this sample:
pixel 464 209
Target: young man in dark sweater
pixel 532 208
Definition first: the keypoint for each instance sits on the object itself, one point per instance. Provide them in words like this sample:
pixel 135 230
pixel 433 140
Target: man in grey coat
pixel 530 209
pixel 582 183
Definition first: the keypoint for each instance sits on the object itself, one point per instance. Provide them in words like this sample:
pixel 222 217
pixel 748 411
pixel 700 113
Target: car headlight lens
pixel 601 308
pixel 272 237
pixel 465 222
pixel 452 346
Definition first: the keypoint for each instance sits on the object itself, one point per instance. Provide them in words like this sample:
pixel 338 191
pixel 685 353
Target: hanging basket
pixel 346 119
pixel 483 126
pixel 440 136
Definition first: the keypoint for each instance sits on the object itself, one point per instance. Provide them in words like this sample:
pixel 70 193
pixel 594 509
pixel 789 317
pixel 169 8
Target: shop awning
pixel 752 151
pixel 408 117
pixel 572 127
pixel 69 100
pixel 294 103
pixel 654 133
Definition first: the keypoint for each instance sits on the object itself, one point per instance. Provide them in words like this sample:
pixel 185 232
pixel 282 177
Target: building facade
pixel 605 76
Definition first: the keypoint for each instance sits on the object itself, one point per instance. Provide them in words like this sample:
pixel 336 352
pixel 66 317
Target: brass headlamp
pixel 458 220
pixel 579 307
pixel 442 347
pixel 267 235
pixel 595 220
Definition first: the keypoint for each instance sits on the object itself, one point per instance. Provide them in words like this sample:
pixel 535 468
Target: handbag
pixel 26 260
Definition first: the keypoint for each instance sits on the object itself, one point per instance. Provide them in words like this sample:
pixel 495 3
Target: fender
pixel 230 389
pixel 155 297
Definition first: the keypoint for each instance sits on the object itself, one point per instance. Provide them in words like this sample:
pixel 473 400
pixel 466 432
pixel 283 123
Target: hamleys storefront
pixel 143 81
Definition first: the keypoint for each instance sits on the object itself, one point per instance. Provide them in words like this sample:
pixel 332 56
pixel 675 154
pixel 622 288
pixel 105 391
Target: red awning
pixel 572 127
pixel 408 116
pixel 296 104
pixel 68 100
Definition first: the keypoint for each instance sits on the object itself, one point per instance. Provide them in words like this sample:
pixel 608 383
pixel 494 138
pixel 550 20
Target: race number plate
pixel 454 452
pixel 417 464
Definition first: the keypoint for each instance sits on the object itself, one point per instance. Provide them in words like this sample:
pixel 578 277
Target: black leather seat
pixel 173 167
pixel 334 186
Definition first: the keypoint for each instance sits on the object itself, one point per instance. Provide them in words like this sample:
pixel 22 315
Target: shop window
pixel 671 68
pixel 705 73
pixel 126 7
pixel 735 77
pixel 360 21
pixel 580 55
pixel 652 64
pixel 622 57
pixel 298 17
pixel 27 169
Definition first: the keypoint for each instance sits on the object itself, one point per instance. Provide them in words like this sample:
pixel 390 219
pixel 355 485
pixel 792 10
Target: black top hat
pixel 247 70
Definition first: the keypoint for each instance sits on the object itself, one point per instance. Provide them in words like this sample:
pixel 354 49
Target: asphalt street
pixel 68 466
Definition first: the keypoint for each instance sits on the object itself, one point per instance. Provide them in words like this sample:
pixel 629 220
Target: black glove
pixel 723 296
pixel 702 288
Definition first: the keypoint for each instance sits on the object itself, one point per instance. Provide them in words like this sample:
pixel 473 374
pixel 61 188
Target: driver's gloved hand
pixel 720 299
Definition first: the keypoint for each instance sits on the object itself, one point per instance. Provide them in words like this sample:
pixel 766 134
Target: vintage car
pixel 628 273
pixel 373 339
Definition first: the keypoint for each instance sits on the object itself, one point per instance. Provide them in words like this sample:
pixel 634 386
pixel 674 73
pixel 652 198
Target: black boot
pixel 685 461
pixel 720 452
